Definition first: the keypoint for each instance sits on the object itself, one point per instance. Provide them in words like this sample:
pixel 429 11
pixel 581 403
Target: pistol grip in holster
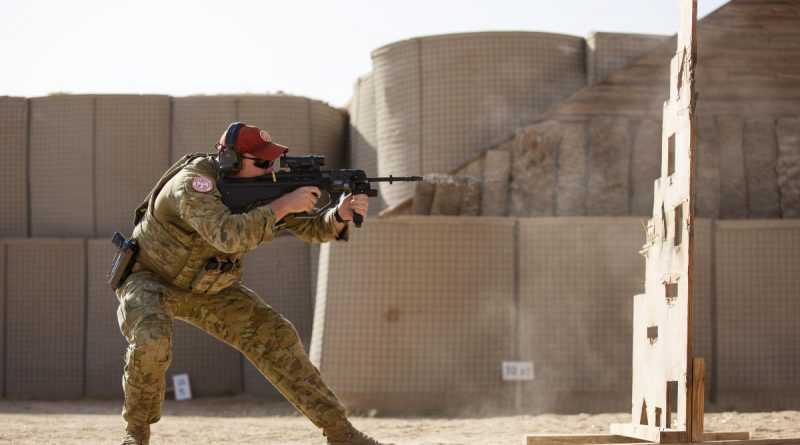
pixel 123 260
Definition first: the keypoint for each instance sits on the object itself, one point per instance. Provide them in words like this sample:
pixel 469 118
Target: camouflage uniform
pixel 189 267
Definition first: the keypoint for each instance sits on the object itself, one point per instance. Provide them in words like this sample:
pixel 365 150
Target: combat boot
pixel 346 434
pixel 137 435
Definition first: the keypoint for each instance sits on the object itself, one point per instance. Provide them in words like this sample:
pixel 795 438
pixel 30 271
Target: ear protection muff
pixel 229 161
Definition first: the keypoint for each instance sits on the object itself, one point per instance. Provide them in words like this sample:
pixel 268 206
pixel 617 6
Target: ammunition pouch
pixel 123 260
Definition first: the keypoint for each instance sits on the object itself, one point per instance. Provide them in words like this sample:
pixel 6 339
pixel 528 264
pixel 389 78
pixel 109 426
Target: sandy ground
pixel 246 420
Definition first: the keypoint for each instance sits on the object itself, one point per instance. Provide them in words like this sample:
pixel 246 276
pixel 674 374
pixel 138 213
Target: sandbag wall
pixel 76 167
pixel 446 300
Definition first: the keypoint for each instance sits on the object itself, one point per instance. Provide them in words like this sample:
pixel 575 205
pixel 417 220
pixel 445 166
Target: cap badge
pixel 202 184
pixel 264 135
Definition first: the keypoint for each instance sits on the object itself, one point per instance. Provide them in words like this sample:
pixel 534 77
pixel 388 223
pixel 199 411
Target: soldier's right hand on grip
pixel 300 200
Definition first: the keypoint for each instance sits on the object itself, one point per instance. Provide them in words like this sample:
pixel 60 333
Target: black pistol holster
pixel 123 260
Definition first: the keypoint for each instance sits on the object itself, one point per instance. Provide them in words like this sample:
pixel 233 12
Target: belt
pixel 222 266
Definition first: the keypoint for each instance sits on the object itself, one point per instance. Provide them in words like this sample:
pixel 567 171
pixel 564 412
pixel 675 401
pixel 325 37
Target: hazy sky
pixel 313 48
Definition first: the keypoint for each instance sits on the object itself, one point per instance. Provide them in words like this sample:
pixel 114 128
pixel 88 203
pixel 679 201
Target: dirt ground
pixel 247 420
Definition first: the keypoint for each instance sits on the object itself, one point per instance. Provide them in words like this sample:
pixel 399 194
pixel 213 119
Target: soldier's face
pixel 250 168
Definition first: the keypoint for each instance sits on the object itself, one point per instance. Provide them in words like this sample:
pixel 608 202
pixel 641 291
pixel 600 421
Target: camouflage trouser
pixel 236 316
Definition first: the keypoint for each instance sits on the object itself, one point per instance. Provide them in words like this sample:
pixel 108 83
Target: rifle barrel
pixel 391 179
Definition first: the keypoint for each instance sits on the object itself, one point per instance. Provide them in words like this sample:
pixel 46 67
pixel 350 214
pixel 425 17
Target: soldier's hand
pixel 353 203
pixel 298 201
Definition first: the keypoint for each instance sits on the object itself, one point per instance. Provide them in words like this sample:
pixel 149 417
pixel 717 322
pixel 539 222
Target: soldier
pixel 189 267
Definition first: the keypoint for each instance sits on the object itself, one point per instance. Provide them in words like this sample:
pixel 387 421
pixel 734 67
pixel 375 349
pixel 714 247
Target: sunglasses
pixel 258 162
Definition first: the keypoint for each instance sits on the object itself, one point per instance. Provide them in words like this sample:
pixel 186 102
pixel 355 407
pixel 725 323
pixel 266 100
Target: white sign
pixel 518 371
pixel 183 391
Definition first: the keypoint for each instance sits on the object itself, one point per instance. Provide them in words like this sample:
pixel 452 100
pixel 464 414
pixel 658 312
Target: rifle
pixel 240 195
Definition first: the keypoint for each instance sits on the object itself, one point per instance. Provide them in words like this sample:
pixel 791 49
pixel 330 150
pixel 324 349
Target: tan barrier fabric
pixel 760 151
pixel 105 345
pixel 709 181
pixel 132 151
pixel 416 313
pixel 45 318
pixel 279 272
pixel 198 122
pixel 757 305
pixel 607 52
pixel 478 87
pixel 362 125
pixel 571 193
pixel 577 278
pixel 61 171
pixel 397 115
pixel 435 295
pixel 328 127
pixel 14 173
pixel 733 195
pixel 214 368
pixel 3 274
pixel 285 118
pixel 789 166
pixel 702 339
pixel 306 126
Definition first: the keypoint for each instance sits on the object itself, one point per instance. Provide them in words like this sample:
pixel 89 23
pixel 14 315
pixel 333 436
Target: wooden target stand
pixel 667 387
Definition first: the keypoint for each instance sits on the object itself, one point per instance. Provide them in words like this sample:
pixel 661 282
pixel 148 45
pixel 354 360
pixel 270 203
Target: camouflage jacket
pixel 192 240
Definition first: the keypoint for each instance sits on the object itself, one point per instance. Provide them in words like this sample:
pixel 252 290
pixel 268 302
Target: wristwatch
pixel 338 217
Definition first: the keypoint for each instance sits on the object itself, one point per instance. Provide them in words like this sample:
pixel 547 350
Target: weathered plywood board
pixel 662 367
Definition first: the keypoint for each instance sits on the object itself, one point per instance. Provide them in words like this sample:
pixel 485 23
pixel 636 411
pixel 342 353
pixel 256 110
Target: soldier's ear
pixel 228 162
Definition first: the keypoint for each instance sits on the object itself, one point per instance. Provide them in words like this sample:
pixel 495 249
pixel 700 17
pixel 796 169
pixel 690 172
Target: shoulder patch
pixel 202 184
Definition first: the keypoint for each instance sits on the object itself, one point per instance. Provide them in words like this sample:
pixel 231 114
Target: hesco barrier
pixel 3 274
pixel 757 290
pixel 416 314
pixel 198 122
pixel 93 159
pixel 280 273
pixel 105 345
pixel 86 161
pixel 436 297
pixel 441 100
pixel 363 136
pixel 306 126
pixel 44 320
pixel 577 279
pixel 604 165
pixel 571 317
pixel 14 172
pixel 60 164
pixel 606 52
pixel 131 146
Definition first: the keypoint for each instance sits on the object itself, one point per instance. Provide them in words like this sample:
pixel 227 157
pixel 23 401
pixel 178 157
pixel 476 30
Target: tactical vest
pixel 185 260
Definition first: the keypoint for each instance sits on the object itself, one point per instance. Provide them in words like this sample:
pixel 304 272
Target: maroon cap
pixel 257 142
